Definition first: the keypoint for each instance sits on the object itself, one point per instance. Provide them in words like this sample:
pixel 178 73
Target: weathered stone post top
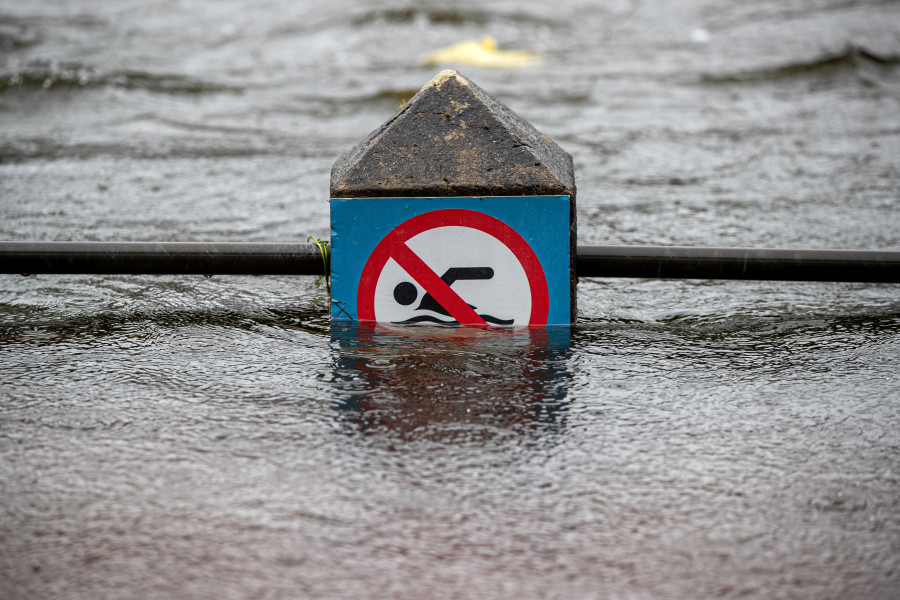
pixel 453 139
pixel 484 202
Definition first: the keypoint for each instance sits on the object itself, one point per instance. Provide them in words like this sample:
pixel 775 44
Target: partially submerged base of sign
pixel 373 363
pixel 455 211
pixel 482 262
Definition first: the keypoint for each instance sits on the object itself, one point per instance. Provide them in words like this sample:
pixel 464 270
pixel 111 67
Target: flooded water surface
pixel 191 437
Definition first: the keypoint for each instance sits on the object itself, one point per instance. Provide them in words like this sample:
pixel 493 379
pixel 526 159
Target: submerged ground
pixel 184 437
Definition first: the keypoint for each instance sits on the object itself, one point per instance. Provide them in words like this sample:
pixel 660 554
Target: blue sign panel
pixel 480 261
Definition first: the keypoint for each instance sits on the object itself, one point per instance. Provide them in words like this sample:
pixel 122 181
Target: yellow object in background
pixel 480 53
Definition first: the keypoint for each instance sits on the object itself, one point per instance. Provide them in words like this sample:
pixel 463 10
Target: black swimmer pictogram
pixel 405 293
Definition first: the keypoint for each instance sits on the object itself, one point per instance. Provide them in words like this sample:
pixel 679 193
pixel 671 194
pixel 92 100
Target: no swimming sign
pixel 475 261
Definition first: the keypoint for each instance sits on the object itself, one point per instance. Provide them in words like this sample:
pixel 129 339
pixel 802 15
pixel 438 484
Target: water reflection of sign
pixel 491 261
pixel 449 386
pixel 489 274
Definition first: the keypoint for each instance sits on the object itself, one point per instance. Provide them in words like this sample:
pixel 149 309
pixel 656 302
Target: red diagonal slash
pixel 434 285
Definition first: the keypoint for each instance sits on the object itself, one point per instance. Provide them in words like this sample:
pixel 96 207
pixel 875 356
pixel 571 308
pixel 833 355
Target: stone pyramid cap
pixel 453 139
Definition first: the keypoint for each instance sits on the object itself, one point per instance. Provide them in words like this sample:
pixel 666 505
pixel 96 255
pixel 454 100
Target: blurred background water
pixel 184 437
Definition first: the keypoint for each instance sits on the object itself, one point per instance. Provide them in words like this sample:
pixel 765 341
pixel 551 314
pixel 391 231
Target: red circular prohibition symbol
pixel 394 244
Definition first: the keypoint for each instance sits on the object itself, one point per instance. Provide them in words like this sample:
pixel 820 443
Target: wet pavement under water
pixel 185 437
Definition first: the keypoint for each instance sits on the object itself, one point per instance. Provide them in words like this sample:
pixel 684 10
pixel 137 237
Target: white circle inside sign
pixel 505 297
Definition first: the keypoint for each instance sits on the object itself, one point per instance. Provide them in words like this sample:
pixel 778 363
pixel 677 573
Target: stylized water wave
pixel 435 320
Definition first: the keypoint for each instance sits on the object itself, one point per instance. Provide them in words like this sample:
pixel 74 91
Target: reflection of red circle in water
pixel 454 217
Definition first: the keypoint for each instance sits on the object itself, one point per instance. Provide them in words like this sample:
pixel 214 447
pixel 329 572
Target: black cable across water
pixel 233 258
pixel 676 262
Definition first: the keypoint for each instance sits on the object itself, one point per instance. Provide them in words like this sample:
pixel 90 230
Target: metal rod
pixel 678 262
pixel 229 258
pixel 157 258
